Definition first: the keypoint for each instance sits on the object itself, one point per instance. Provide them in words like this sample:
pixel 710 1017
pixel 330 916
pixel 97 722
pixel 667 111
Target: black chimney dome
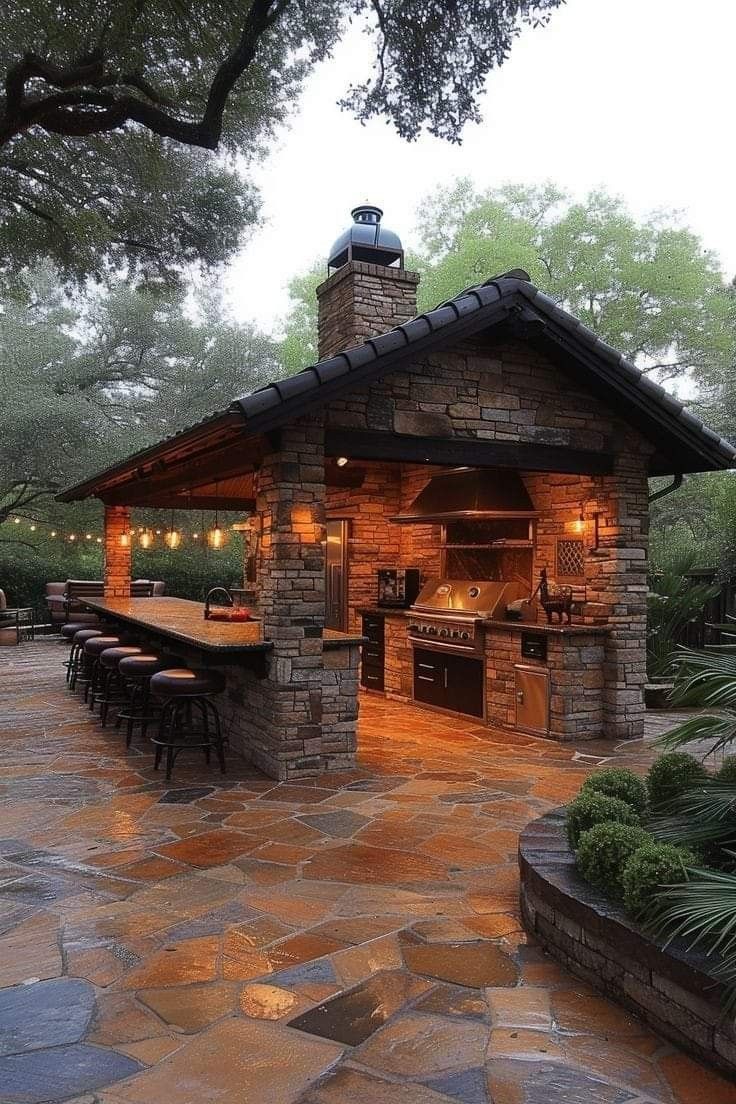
pixel 367 240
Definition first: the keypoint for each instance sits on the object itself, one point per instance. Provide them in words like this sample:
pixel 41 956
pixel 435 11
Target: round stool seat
pixel 72 627
pixel 139 666
pixel 111 656
pixel 83 635
pixel 97 644
pixel 183 682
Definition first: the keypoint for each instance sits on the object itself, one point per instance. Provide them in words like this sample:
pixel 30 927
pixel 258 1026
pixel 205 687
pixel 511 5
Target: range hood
pixel 470 493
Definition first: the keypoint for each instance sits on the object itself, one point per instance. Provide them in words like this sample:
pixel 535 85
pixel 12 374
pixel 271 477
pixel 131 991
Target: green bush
pixel 619 782
pixel 727 772
pixel 648 869
pixel 603 852
pixel 674 774
pixel 590 808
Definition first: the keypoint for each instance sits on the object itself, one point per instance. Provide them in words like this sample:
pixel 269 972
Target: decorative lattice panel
pixel 570 559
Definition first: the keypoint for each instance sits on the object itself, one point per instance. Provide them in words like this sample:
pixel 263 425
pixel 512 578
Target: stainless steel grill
pixel 449 613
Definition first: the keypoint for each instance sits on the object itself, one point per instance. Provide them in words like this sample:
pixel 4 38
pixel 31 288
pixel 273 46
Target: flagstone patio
pixel 349 940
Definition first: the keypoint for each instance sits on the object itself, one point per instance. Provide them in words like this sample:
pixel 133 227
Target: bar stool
pixel 67 637
pixel 136 671
pixel 183 691
pixel 76 655
pixel 111 686
pixel 93 649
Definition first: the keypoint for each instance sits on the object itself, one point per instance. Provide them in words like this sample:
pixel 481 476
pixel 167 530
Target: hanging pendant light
pixel 124 539
pixel 216 537
pixel 172 536
pixel 145 538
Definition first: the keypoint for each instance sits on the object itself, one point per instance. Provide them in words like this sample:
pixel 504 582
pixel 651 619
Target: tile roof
pixel 473 309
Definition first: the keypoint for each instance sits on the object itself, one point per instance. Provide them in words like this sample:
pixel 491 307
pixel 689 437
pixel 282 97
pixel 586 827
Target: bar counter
pixel 183 621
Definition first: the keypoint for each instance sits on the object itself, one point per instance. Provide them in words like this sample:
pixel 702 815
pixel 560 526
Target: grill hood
pixel 470 493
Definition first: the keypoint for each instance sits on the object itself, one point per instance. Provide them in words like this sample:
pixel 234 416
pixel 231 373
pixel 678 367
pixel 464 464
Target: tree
pixel 89 379
pixel 648 287
pixel 140 85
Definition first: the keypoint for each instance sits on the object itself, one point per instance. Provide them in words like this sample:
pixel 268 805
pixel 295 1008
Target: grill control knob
pixel 444 632
pixel 432 630
pixel 465 635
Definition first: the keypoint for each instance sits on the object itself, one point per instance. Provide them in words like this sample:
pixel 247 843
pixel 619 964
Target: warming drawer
pixel 531 689
pixel 449 681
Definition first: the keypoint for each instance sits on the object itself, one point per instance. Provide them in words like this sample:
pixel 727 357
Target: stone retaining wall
pixel 673 990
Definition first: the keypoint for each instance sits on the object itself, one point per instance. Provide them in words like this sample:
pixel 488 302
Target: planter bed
pixel 671 989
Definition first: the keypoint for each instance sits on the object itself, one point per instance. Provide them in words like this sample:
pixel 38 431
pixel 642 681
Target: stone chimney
pixel 369 291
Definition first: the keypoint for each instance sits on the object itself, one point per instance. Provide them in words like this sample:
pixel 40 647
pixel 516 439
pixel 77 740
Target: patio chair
pixel 8 625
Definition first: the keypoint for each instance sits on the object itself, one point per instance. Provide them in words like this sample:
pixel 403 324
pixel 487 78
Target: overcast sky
pixel 634 95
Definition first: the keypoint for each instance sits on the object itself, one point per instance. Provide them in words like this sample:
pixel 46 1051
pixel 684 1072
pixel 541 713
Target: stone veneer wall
pixel 362 300
pixel 284 728
pixel 575 666
pixel 672 989
pixel 116 561
pixel 513 393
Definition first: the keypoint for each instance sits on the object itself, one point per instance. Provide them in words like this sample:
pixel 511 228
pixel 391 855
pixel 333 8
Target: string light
pixel 172 536
pixel 216 537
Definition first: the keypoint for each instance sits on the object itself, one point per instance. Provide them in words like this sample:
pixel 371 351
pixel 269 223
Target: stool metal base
pixel 177 731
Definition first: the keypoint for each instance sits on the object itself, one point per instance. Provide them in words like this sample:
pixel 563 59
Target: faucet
pixel 216 590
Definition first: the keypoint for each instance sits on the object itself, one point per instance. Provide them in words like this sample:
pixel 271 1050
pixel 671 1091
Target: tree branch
pixel 77 111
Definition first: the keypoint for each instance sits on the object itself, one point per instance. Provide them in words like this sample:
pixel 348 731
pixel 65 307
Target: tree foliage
pixel 647 287
pixel 88 379
pixel 107 105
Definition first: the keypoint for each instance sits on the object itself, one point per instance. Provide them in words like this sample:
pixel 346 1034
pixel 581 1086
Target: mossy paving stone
pixel 352 1017
pixel 474 965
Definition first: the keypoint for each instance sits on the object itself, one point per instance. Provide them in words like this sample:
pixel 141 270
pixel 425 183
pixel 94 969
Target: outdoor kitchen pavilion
pixel 498 380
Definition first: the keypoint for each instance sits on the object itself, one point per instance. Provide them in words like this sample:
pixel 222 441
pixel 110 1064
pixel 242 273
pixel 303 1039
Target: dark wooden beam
pixel 239 458
pixel 184 502
pixel 368 444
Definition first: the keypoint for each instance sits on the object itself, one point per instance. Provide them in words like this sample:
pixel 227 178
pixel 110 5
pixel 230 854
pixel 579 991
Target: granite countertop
pixel 385 611
pixel 184 621
pixel 333 638
pixel 544 627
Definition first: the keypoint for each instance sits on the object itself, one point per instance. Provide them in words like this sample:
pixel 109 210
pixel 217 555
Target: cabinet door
pixel 429 677
pixel 532 699
pixel 464 680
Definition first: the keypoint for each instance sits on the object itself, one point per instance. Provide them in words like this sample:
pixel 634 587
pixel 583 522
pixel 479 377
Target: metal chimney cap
pixel 367 240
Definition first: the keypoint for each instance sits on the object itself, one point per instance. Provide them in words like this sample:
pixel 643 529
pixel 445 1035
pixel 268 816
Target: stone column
pixel 284 734
pixel 617 591
pixel 116 563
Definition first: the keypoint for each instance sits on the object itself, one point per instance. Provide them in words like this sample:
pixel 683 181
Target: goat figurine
pixel 554 599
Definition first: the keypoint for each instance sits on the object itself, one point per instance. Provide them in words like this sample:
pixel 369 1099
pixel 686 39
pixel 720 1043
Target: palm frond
pixel 701 911
pixel 719 728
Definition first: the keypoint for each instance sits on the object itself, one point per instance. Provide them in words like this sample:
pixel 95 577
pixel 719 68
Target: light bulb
pixel 341 461
pixel 33 528
pixel 216 537
pixel 53 532
pixel 172 538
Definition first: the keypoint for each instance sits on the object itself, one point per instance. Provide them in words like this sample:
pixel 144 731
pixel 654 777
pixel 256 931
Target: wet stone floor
pixel 349 940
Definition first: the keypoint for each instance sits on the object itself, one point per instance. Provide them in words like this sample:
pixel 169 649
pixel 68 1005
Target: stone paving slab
pixel 348 940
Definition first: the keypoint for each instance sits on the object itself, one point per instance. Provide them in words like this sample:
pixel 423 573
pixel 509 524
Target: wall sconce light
pixel 579 523
pixel 341 461
pixel 145 539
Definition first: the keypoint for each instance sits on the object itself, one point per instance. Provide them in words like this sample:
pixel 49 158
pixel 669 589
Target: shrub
pixel 654 865
pixel 674 774
pixel 590 808
pixel 619 782
pixel 603 852
pixel 727 773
